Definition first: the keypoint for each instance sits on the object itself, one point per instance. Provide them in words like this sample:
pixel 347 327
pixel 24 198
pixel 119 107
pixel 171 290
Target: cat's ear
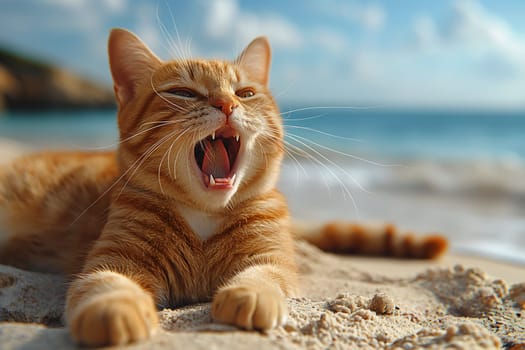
pixel 130 61
pixel 255 60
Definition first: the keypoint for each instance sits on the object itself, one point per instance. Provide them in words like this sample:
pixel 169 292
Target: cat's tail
pixel 370 239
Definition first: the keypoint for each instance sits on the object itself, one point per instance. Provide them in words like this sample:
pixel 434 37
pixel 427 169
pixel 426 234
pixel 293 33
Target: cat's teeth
pixel 237 137
pixel 232 180
pixel 213 136
pixel 212 180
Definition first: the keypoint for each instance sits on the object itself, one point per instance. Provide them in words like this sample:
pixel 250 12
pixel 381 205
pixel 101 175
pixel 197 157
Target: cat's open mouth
pixel 216 157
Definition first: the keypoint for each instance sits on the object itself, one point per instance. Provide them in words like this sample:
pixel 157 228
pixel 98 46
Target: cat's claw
pixel 249 308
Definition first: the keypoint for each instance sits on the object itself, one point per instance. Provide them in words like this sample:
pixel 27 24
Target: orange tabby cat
pixel 185 211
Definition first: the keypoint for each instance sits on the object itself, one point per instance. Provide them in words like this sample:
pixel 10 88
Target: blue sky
pixel 416 53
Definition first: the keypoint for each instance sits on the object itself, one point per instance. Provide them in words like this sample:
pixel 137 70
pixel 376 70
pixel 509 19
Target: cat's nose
pixel 225 105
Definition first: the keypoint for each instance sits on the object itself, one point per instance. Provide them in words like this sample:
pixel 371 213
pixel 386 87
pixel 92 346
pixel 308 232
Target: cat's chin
pixel 214 199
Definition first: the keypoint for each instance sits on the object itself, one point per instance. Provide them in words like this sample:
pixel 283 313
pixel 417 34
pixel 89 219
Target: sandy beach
pixel 348 302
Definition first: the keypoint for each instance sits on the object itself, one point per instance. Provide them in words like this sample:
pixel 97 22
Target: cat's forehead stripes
pixel 210 75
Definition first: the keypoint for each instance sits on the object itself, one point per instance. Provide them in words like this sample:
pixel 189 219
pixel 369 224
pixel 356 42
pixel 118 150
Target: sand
pixel 345 305
pixel 458 302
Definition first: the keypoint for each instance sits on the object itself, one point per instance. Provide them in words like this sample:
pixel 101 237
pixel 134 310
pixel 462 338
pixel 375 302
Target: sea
pixel 457 172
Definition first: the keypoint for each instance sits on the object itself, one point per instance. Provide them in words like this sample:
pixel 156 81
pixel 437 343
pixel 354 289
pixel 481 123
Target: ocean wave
pixel 487 177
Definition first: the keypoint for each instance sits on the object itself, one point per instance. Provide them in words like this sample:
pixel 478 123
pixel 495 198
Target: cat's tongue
pixel 216 161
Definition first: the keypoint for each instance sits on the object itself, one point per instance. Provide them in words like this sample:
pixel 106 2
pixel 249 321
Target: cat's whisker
pixel 313 117
pixel 195 138
pixel 290 149
pixel 110 187
pixel 264 154
pixel 128 138
pixel 272 138
pixel 167 44
pixel 283 91
pixel 176 159
pixel 297 164
pixel 188 171
pixel 188 46
pixel 175 164
pixel 160 168
pixel 107 190
pixel 173 106
pixel 140 159
pixel 335 150
pixel 332 108
pixel 173 48
pixel 297 138
pixel 163 122
pixel 173 176
pixel 323 133
pixel 167 153
pixel 176 107
pixel 184 55
pixel 345 154
pixel 338 179
pixel 302 153
pixel 255 107
pixel 145 156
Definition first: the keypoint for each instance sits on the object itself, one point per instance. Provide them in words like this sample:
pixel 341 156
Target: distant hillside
pixel 29 84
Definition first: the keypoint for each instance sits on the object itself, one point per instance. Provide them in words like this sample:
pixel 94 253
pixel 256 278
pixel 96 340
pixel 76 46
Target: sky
pixel 410 53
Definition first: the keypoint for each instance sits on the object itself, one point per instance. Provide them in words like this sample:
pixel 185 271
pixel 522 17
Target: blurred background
pixel 411 112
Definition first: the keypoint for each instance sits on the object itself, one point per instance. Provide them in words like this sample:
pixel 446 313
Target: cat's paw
pixel 249 308
pixel 114 318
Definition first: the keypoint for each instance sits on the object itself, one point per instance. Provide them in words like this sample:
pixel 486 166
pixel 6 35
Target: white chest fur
pixel 203 224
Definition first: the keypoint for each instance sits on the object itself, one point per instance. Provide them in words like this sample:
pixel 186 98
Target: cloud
pixel 329 39
pixel 226 20
pixel 91 8
pixel 147 27
pixel 426 31
pixel 474 33
pixel 221 18
pixel 116 6
pixel 467 57
pixel 371 17
pixel 474 26
pixel 464 53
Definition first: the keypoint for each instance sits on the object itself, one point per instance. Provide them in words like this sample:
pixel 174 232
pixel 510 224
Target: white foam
pixel 477 204
pixel 503 176
pixel 496 250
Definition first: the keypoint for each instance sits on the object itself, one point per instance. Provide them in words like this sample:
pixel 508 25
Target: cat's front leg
pixel 108 308
pixel 255 298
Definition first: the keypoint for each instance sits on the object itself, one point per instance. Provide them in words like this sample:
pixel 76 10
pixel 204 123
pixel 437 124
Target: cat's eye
pixel 245 93
pixel 186 93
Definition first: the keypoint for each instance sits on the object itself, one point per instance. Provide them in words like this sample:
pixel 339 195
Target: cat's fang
pixel 237 137
pixel 219 183
pixel 213 136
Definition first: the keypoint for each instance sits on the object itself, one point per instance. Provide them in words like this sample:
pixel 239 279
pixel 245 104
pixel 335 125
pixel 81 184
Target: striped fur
pixel 122 224
pixel 370 239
